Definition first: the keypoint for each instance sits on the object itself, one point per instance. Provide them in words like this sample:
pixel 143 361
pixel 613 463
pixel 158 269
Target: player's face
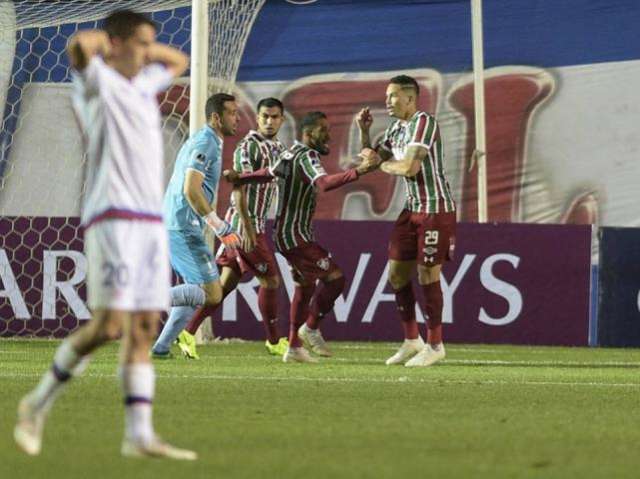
pixel 269 121
pixel 230 119
pixel 132 54
pixel 320 137
pixel 398 101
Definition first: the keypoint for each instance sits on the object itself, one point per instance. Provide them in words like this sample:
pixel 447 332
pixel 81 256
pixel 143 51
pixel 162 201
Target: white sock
pixel 53 381
pixel 418 340
pixel 138 385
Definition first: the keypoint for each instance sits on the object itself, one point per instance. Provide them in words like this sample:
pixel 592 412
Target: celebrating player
pixel 117 73
pixel 300 176
pixel 187 211
pixel 424 233
pixel 247 215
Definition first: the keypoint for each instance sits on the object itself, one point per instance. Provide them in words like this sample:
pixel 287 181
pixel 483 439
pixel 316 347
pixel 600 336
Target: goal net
pixel 42 268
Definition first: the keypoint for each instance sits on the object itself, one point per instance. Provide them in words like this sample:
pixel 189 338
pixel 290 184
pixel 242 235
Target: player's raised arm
pixel 86 44
pixel 174 60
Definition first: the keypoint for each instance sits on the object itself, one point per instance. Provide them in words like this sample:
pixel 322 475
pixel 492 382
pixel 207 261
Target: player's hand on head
pixel 232 176
pixel 364 119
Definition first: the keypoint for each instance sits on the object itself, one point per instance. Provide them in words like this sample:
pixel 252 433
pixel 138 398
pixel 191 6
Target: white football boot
pixel 427 356
pixel 313 339
pixel 408 349
pixel 156 448
pixel 298 355
pixel 28 430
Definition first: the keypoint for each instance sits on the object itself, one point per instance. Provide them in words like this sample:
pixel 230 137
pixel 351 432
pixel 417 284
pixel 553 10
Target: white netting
pixel 41 160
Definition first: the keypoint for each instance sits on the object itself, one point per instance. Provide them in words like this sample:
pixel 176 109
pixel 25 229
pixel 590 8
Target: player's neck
pixel 217 129
pixel 409 114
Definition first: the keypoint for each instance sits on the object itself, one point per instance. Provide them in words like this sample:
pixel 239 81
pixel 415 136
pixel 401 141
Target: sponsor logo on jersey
pixel 262 267
pixel 430 250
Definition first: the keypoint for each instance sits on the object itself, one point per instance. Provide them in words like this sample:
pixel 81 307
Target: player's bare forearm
pixel 194 193
pixel 364 119
pixel 263 175
pixel 84 45
pixel 240 200
pixel 409 166
pixel 172 58
pixel 365 138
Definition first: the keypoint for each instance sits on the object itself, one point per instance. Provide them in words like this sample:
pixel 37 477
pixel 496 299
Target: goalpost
pixel 41 156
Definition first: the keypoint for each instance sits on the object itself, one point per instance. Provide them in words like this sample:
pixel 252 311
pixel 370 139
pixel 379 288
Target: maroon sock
pixel 433 303
pixel 299 311
pixel 202 313
pixel 406 304
pixel 268 305
pixel 323 301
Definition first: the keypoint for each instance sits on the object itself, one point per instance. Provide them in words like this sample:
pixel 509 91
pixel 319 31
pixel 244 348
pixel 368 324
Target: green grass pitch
pixel 486 411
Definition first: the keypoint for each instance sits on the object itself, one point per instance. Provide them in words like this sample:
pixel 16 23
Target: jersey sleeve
pixel 201 157
pixel 424 131
pixel 154 78
pixel 87 82
pixel 245 158
pixel 311 167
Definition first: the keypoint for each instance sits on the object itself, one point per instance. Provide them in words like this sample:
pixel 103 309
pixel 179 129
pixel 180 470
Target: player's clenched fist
pixel 231 176
pixel 364 119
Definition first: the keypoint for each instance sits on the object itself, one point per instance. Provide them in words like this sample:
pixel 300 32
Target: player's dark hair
pixel 123 23
pixel 310 120
pixel 270 103
pixel 215 104
pixel 406 82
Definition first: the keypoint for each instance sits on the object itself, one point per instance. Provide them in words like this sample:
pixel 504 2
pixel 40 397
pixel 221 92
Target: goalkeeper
pixel 187 210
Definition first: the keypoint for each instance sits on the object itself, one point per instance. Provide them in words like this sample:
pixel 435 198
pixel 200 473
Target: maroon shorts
pixel 310 262
pixel 261 261
pixel 428 238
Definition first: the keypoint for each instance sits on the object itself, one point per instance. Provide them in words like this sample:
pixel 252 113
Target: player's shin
pixel 298 313
pixel 268 305
pixel 138 387
pixel 323 301
pixel 178 318
pixel 433 304
pixel 406 306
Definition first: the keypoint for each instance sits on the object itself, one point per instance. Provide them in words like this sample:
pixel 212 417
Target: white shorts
pixel 128 266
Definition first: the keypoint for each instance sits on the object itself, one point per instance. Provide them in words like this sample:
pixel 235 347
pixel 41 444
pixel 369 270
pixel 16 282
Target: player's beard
pixel 323 149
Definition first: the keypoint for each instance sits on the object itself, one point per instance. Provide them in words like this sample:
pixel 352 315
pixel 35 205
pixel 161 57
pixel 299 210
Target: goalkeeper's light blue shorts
pixel 191 258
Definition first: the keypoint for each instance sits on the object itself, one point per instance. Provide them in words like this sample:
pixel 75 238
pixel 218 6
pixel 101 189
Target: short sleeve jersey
pixel 202 153
pixel 254 153
pixel 296 172
pixel 121 125
pixel 428 191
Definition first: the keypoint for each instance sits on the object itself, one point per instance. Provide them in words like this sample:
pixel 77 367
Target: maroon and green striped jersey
pixel 253 153
pixel 296 172
pixel 428 191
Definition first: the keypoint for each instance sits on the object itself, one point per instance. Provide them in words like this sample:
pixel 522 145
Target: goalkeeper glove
pixel 223 230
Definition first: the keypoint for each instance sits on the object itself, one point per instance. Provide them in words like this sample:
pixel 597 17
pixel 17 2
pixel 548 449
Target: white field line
pixel 394 380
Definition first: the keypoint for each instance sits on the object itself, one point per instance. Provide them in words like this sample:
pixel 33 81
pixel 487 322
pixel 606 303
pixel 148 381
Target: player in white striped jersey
pixel 424 233
pixel 118 73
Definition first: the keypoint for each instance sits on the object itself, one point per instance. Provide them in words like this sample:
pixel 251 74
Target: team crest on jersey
pixel 430 250
pixel 200 158
pixel 262 267
pixel 323 264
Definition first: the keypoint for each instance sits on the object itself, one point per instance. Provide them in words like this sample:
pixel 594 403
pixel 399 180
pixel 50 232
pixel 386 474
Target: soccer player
pixel 187 211
pixel 247 214
pixel 424 233
pixel 117 73
pixel 300 177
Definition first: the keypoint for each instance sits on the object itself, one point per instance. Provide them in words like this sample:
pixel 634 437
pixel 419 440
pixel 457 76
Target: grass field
pixel 487 411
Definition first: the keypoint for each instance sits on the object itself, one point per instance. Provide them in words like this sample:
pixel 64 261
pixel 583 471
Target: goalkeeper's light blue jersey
pixel 203 153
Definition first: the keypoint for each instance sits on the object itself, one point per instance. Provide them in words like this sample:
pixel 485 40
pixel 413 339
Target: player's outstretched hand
pixel 231 176
pixel 364 119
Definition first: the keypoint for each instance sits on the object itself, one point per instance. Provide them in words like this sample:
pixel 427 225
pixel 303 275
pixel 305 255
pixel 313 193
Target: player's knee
pixel 337 282
pixel 428 275
pixel 398 279
pixel 213 297
pixel 269 282
pixel 109 329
